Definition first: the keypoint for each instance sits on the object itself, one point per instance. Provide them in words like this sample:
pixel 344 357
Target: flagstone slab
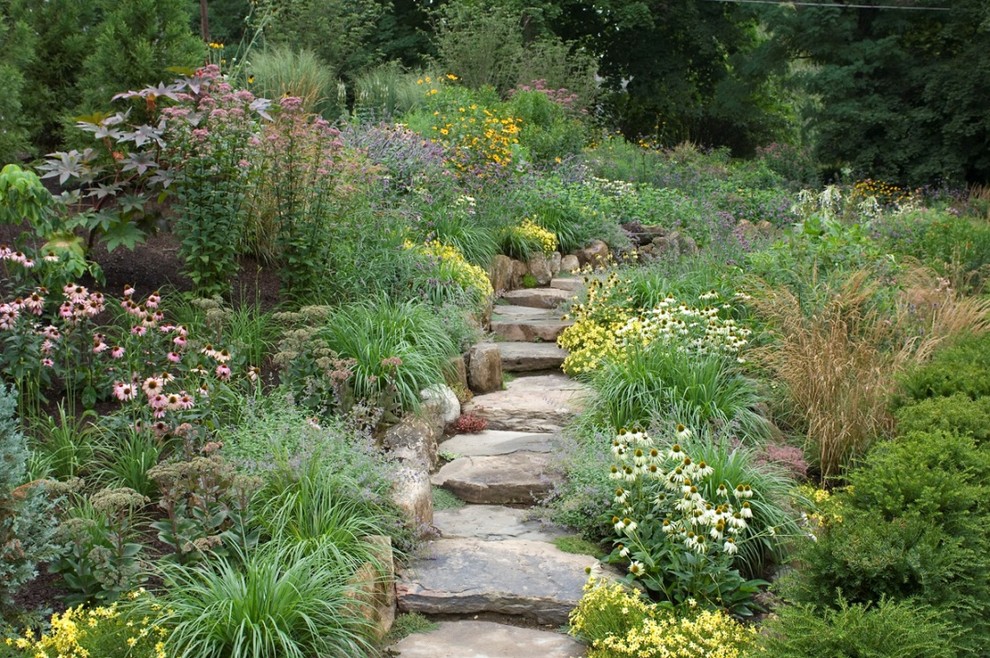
pixel 516 478
pixel 494 523
pixel 537 297
pixel 533 580
pixel 531 357
pixel 497 442
pixel 484 639
pixel 538 403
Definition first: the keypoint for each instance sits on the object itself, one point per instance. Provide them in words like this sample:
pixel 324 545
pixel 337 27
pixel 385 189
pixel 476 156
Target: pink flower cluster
pixel 6 253
pixel 11 311
pixel 80 303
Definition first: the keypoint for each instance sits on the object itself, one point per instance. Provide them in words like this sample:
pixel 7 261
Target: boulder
pixel 539 267
pixel 501 273
pixel 373 586
pixel 569 264
pixel 457 378
pixel 413 494
pixel 414 438
pixel 519 270
pixel 595 254
pixel 442 400
pixel 555 259
pixel 485 368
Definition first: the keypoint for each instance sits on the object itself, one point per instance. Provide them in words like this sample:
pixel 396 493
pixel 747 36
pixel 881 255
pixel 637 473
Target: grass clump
pixel 409 623
pixel 443 499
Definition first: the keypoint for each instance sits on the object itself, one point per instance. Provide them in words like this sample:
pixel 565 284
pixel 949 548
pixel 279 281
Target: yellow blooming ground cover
pixel 621 623
pixel 453 267
pixel 607 325
pixel 100 632
pixel 532 233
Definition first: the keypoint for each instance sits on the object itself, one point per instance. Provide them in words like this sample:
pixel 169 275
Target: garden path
pixel 500 586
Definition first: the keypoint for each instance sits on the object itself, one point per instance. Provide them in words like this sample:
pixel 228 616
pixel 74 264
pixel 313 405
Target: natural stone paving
pixel 530 579
pixel 526 324
pixel 530 357
pixel 537 297
pixel 483 639
pixel 516 478
pixel 541 403
pixel 491 559
pixel 493 523
pixel 496 442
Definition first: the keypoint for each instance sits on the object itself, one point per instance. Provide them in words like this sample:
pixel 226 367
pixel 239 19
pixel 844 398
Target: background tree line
pixel 898 93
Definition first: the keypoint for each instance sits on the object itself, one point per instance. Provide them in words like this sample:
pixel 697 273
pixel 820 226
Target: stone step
pixel 493 523
pixel 531 357
pixel 497 442
pixel 537 403
pixel 521 478
pixel 533 580
pixel 537 297
pixel 485 639
pixel 527 324
pixel 571 284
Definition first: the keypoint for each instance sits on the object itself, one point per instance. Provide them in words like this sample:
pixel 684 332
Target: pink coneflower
pixel 128 290
pixel 35 303
pixel 48 363
pixel 223 356
pixel 159 404
pixel 154 299
pixel 152 386
pixel 186 401
pixel 124 392
pixel 117 352
pixel 172 401
pixel 179 341
pixel 204 390
pixel 223 371
pixel 51 333
pixel 47 346
pixel 139 330
pixel 174 357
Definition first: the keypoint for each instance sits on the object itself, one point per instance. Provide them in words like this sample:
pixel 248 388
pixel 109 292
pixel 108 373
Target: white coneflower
pixel 637 568
pixel 730 547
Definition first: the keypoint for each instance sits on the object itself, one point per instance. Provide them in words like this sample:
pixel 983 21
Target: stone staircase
pixel 501 587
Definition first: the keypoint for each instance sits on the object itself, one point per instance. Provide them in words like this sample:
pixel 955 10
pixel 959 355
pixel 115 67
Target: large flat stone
pixel 530 579
pixel 537 297
pixel 570 284
pixel 520 478
pixel 493 523
pixel 485 639
pixel 526 324
pixel 531 357
pixel 497 442
pixel 540 403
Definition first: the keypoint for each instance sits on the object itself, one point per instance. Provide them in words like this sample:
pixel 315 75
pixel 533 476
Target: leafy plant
pixel 27 523
pixel 678 527
pixel 282 598
pixel 398 350
pixel 931 545
pixel 101 557
pixel 956 413
pixel 898 629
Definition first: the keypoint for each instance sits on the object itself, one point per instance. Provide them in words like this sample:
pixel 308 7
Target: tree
pixel 902 93
pixel 677 69
pixel 16 49
pixel 136 43
pixel 63 31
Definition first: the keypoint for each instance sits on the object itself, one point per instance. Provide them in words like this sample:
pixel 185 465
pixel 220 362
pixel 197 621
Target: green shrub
pixel 547 132
pixel 892 629
pixel 962 367
pixel 27 524
pixel 957 413
pixel 913 524
pixel 282 599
